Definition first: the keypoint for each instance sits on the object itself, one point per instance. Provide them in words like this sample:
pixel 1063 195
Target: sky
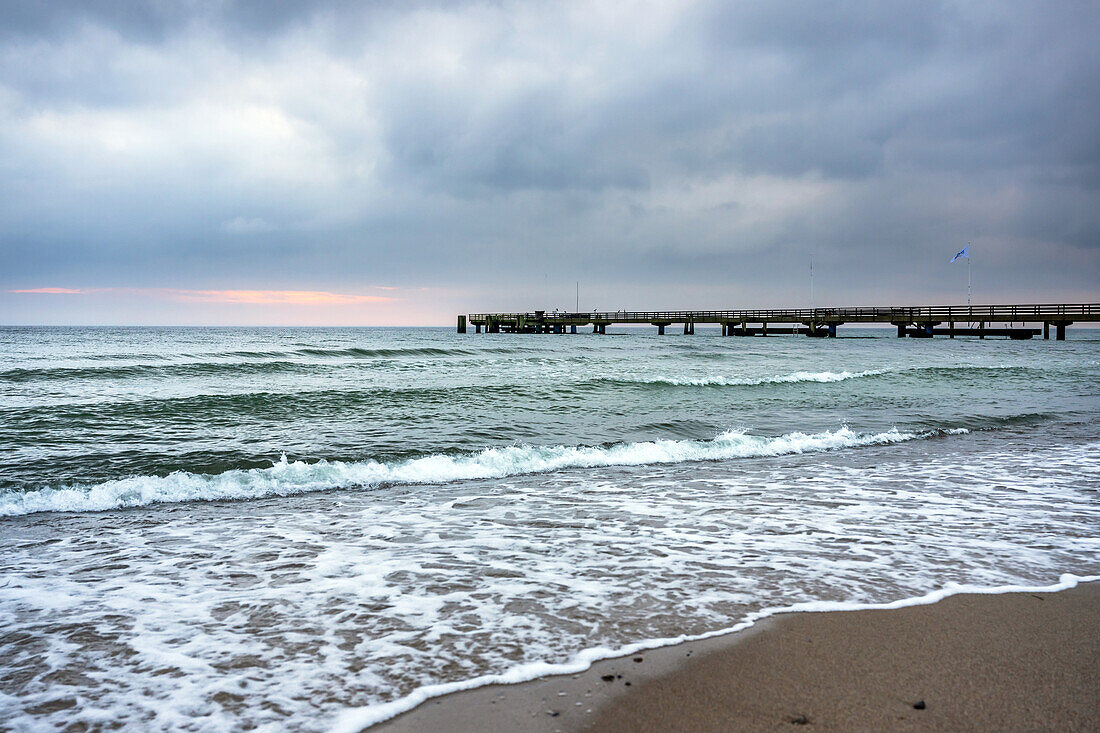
pixel 398 163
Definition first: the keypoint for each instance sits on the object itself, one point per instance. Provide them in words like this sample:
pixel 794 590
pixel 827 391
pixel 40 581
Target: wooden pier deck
pixel 913 321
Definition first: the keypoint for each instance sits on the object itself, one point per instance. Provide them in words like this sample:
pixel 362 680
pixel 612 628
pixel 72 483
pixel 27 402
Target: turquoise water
pixel 225 528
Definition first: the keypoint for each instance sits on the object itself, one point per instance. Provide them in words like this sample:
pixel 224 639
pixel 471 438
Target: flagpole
pixel 969 258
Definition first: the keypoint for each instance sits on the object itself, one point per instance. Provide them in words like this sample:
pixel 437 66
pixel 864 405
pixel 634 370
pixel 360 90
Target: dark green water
pixel 85 406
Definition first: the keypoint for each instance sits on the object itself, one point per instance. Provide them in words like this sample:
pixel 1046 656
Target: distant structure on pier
pixel 914 321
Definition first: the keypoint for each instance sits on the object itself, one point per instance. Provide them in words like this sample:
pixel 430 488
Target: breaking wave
pixel 822 377
pixel 296 477
pixel 801 376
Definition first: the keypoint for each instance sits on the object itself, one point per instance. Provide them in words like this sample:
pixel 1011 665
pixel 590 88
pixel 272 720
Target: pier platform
pixel 981 321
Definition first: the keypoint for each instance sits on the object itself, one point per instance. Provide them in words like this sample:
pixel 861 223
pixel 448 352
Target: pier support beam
pixel 573 328
pixel 901 330
pixel 1060 332
pixel 462 324
pixel 477 328
pixel 764 328
pixel 1046 330
pixel 981 329
pixel 832 330
pixel 951 329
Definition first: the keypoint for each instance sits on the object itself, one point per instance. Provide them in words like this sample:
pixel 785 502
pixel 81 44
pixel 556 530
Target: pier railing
pixel 1038 312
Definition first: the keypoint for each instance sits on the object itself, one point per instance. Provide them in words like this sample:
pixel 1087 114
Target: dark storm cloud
pixel 655 149
pixel 144 21
pixel 154 21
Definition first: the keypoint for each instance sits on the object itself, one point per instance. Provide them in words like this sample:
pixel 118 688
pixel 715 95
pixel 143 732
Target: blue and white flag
pixel 964 252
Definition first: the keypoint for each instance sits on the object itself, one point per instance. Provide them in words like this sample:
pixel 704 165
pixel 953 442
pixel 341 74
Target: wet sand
pixel 1021 661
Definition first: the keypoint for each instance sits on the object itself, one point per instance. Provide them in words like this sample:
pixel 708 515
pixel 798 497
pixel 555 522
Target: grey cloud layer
pixel 659 151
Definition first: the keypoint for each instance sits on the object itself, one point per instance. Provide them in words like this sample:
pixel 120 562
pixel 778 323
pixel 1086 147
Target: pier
pixel 1006 321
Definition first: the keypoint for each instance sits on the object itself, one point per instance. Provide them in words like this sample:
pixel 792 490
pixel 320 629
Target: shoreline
pixel 810 656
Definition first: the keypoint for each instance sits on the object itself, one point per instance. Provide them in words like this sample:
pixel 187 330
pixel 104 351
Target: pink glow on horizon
pixel 51 291
pixel 365 305
pixel 278 297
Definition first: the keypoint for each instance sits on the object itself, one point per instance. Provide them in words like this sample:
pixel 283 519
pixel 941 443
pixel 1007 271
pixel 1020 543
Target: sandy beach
pixel 1020 661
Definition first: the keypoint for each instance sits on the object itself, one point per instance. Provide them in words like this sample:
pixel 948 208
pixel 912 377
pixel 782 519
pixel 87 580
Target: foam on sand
pixel 354 720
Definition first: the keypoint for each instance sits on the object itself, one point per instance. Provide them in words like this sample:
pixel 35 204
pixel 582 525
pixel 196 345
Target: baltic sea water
pixel 210 529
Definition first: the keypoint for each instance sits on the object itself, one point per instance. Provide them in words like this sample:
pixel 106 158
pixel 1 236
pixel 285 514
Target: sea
pixel 212 529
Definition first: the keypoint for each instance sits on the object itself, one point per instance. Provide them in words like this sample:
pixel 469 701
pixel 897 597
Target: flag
pixel 964 252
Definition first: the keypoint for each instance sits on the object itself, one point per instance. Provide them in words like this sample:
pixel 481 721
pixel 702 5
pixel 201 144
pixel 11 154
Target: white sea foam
pixel 356 719
pixel 295 477
pixel 721 381
pixel 822 377
pixel 277 615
